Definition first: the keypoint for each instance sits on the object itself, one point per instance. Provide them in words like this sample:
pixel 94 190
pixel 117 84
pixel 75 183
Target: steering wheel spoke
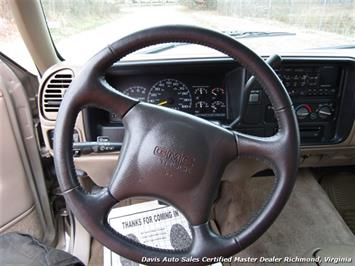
pixel 205 241
pixel 277 151
pixel 267 149
pixel 104 96
pixel 93 206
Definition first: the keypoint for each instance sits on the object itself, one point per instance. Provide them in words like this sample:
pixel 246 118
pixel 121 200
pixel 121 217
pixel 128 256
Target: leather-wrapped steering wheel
pixel 173 156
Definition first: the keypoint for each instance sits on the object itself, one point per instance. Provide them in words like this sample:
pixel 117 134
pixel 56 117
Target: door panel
pixel 24 201
pixel 15 193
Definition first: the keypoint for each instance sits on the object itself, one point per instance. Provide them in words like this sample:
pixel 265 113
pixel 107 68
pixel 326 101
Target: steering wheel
pixel 173 156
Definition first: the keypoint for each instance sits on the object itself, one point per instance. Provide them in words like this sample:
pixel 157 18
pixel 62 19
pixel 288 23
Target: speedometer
pixel 171 93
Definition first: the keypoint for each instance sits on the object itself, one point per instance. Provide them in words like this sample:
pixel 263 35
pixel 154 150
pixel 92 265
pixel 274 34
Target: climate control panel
pixel 316 112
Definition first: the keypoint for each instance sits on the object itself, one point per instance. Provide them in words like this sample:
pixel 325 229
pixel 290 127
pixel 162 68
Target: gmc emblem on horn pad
pixel 174 160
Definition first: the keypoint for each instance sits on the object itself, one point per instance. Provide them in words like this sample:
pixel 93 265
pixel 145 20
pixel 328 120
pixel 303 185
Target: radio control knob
pixel 324 112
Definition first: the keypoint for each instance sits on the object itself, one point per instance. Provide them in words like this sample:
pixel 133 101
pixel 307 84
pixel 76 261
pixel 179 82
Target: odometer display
pixel 171 93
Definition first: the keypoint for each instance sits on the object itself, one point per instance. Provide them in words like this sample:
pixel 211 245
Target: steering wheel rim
pixel 199 172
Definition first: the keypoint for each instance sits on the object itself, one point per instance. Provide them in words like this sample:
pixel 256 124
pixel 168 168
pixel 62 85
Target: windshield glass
pixel 81 28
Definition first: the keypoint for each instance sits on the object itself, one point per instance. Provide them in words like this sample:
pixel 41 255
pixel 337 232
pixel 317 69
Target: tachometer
pixel 171 93
pixel 137 92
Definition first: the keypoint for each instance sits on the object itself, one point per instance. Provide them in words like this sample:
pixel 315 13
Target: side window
pixel 11 43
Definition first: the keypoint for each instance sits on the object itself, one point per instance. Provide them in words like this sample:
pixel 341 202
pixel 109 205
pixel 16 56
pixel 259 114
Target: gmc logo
pixel 173 159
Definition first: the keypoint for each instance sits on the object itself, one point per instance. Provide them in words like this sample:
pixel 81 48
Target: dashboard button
pixel 254 98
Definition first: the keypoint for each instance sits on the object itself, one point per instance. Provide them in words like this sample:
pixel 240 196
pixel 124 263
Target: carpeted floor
pixel 340 188
pixel 97 256
pixel 309 220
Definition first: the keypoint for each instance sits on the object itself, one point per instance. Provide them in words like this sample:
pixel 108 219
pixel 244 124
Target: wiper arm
pixel 339 47
pixel 235 34
pixel 256 34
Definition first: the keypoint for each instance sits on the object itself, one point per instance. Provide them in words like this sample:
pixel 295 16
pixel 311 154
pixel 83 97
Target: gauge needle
pixel 163 103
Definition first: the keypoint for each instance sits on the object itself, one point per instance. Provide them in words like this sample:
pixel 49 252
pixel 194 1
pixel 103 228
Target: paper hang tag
pixel 152 224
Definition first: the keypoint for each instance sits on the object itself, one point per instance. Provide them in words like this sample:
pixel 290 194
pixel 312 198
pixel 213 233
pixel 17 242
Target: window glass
pixel 11 43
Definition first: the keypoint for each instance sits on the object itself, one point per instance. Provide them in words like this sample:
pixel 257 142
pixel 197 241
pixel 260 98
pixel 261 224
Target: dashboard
pixel 321 89
pixel 215 90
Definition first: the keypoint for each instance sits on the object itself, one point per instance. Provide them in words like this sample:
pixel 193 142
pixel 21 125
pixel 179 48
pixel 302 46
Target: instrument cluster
pixel 203 100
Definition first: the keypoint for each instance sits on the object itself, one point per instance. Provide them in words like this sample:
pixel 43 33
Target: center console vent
pixel 53 92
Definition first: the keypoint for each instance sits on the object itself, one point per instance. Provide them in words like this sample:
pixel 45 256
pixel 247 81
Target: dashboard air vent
pixel 54 90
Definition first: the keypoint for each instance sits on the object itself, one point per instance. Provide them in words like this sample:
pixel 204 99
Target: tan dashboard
pixel 100 166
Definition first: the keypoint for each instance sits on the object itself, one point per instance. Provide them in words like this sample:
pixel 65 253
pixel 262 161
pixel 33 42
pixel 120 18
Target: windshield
pixel 81 28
